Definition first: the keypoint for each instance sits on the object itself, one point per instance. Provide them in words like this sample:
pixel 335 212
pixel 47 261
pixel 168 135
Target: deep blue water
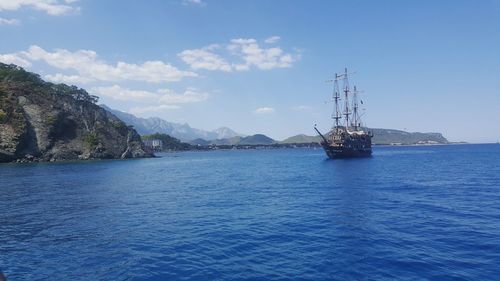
pixel 408 213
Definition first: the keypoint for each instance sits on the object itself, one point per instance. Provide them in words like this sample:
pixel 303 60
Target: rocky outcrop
pixel 41 121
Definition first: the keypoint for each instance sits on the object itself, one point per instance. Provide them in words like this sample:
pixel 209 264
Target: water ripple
pixel 407 213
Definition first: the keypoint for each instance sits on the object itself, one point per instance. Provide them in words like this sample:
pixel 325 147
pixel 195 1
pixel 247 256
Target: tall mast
pixel 336 97
pixel 356 120
pixel 346 96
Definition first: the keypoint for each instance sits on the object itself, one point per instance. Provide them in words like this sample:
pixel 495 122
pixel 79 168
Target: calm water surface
pixel 408 213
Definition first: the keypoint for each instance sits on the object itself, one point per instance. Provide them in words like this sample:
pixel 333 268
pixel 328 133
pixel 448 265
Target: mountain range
pixel 226 136
pixel 257 139
pixel 384 137
pixel 184 132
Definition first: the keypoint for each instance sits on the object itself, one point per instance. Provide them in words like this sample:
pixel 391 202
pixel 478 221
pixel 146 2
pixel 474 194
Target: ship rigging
pixel 347 138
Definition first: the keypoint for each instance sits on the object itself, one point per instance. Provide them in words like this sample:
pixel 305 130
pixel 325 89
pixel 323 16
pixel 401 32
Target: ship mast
pixel 346 95
pixel 336 97
pixel 356 120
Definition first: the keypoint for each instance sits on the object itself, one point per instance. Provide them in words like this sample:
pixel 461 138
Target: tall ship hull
pixel 339 143
pixel 340 153
pixel 347 139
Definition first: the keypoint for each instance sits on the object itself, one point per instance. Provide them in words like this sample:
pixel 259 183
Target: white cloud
pixel 51 7
pixel 9 21
pixel 272 39
pixel 301 108
pixel 204 59
pixel 247 52
pixel 189 96
pixel 118 93
pixel 264 110
pixel 262 58
pixel 243 41
pixel 154 108
pixel 15 59
pixel 160 96
pixel 194 2
pixel 89 67
pixel 68 79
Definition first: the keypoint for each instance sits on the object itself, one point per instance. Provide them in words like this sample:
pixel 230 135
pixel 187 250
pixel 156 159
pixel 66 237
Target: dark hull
pixel 340 143
pixel 336 153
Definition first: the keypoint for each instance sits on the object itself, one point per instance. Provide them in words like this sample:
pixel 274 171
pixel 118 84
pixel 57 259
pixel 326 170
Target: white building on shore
pixel 154 144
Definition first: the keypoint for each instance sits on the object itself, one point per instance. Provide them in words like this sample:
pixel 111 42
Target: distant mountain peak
pixel 182 131
pixel 257 139
pixel 226 133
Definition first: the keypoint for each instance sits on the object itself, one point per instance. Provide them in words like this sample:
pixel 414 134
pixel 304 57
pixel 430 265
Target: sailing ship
pixel 347 138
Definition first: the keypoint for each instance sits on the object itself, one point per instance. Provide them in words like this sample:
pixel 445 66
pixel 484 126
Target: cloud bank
pixel 160 96
pixel 239 55
pixel 89 67
pixel 51 7
pixel 106 78
pixel 9 21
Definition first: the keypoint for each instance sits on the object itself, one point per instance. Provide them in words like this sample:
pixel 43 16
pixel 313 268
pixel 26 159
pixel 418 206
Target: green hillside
pixel 302 139
pixel 257 139
pixel 383 136
pixel 169 143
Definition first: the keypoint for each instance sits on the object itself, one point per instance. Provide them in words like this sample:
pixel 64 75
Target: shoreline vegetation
pixel 171 144
pixel 298 146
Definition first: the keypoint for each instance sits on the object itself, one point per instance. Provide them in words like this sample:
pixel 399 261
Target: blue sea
pixel 407 213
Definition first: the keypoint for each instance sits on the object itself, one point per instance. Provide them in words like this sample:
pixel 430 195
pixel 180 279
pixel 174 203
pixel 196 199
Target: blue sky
pixel 261 66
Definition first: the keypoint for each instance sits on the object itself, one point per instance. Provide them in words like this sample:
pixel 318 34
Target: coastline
pixel 230 148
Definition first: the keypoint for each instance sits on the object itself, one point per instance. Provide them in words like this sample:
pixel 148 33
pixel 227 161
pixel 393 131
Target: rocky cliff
pixel 41 121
